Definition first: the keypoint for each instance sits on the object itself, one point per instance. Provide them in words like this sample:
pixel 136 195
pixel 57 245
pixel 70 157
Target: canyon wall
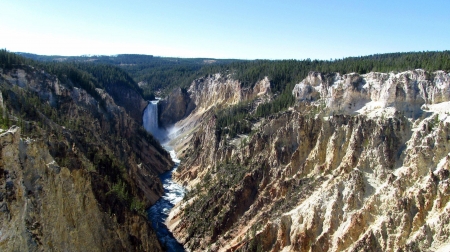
pixel 220 89
pixel 127 98
pixel 46 207
pixel 83 170
pixel 354 93
pixel 361 163
pixel 213 91
pixel 176 107
pixel 202 99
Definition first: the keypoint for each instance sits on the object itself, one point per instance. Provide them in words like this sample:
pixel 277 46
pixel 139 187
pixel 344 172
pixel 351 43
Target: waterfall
pixel 173 192
pixel 150 117
pixel 150 121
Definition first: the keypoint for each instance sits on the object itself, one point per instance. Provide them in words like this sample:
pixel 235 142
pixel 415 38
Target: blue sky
pixel 225 29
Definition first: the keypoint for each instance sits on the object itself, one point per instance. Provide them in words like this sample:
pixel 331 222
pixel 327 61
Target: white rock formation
pixel 372 176
pixel 372 92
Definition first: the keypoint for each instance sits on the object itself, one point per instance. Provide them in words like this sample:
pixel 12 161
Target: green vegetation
pixel 161 74
pixel 284 74
pixel 5 123
pixel 433 122
pixel 90 76
pixel 138 206
pixel 234 120
pixel 85 75
pixel 214 199
pixel 281 102
pixel 78 135
pixel 120 190
pixel 9 60
pixel 161 78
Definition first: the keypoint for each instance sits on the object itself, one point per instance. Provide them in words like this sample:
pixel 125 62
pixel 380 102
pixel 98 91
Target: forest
pixel 160 75
pixel 67 126
pixel 284 74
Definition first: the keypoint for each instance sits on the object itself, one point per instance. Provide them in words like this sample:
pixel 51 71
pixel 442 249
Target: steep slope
pixel 205 96
pixel 353 93
pixel 47 207
pixel 360 164
pixel 86 172
pixel 176 107
pixel 222 90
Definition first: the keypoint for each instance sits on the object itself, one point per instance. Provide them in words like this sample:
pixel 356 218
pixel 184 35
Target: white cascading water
pixel 150 118
pixel 173 192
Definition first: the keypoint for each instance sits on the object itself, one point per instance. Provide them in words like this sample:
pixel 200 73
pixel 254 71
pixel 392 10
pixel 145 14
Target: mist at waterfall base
pixel 173 192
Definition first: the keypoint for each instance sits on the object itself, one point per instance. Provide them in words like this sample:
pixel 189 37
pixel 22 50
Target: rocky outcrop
pixel 127 98
pixel 46 207
pixel 332 185
pixel 313 180
pixel 206 92
pixel 354 93
pixel 89 168
pixel 202 153
pixel 219 89
pixel 92 128
pixel 213 91
pixel 177 106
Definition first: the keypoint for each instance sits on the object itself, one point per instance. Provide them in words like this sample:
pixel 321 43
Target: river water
pixel 173 192
pixel 157 214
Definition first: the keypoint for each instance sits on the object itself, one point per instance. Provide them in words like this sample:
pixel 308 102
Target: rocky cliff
pixel 46 207
pixel 83 171
pixel 354 93
pixel 127 98
pixel 213 91
pixel 220 89
pixel 206 95
pixel 176 107
pixel 359 164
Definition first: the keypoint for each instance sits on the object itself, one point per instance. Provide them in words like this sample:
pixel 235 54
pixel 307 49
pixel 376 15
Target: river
pixel 157 214
pixel 173 192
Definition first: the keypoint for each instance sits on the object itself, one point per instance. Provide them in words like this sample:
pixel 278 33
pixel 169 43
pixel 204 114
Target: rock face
pixel 101 120
pixel 177 106
pixel 83 176
pixel 219 90
pixel 204 93
pixel 332 174
pixel 351 93
pixel 46 207
pixel 129 99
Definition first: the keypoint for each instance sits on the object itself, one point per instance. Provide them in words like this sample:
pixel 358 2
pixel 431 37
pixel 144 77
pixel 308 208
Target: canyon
pixel 77 172
pixel 346 162
pixel 360 163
